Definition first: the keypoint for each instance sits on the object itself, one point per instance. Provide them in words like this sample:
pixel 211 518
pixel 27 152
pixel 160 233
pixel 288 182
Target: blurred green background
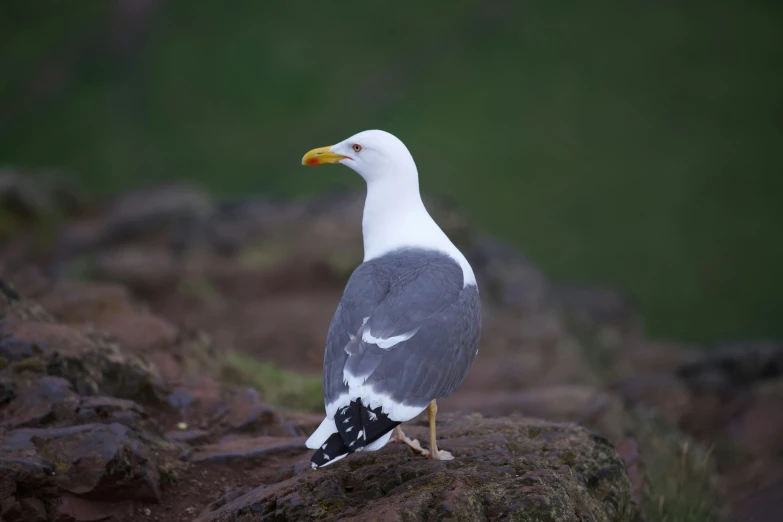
pixel 632 144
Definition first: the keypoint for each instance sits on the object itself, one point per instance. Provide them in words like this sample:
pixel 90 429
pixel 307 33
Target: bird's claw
pixel 400 438
pixel 415 445
pixel 441 455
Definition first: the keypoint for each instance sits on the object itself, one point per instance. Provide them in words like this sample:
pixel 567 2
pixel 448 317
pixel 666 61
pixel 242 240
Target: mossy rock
pixel 505 469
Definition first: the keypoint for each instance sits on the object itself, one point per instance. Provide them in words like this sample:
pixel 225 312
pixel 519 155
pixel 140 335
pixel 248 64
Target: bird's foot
pixel 399 437
pixel 415 446
pixel 441 455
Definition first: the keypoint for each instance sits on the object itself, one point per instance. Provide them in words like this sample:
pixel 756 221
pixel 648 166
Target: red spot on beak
pixel 312 161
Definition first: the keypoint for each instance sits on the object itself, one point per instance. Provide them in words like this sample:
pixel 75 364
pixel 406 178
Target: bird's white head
pixel 375 154
pixel 394 214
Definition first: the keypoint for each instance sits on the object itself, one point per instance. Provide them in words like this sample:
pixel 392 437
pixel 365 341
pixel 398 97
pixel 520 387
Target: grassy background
pixel 633 144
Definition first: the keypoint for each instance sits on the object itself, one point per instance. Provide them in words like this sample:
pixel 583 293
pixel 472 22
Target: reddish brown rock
pixel 149 210
pixel 198 391
pixel 141 268
pixel 246 412
pixel 40 400
pixel 586 405
pixel 73 508
pixel 92 362
pixel 110 410
pixel 24 510
pixel 662 391
pixel 85 302
pixel 50 337
pixel 140 332
pixel 107 462
pixel 505 468
pixel 248 452
pixel 759 427
pixel 194 437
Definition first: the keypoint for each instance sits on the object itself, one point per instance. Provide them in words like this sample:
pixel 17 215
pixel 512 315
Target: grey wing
pixel 406 327
pixel 434 362
pixel 365 289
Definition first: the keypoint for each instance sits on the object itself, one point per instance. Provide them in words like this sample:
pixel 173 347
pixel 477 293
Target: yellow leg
pixel 432 411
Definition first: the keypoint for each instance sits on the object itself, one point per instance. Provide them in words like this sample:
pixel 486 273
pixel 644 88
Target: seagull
pixel 407 328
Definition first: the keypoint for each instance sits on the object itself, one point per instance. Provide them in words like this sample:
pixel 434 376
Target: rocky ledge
pixel 505 469
pixel 92 430
pixel 160 359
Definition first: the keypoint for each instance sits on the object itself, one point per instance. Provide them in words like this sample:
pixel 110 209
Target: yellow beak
pixel 321 156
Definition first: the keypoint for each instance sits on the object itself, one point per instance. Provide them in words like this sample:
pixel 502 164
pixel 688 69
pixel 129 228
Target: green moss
pixel 10 224
pixel 61 466
pixel 79 268
pixel 202 290
pixel 279 387
pixel 31 364
pixel 3 363
pixel 168 476
pixel 263 255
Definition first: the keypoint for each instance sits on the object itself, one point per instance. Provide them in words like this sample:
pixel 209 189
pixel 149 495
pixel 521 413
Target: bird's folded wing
pixel 391 341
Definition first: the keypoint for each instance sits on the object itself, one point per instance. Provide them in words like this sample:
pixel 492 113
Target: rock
pixel 586 405
pixel 595 306
pixel 195 437
pixel 277 321
pixel 73 508
pixel 758 427
pixel 513 468
pixel 13 350
pixel 28 281
pixel 45 337
pixel 110 410
pixel 507 277
pixel 737 365
pixel 7 392
pixel 301 424
pixel 226 498
pixel 764 506
pixel 107 462
pixel 143 268
pixel 92 362
pixel 662 391
pixel 25 510
pixel 520 351
pixel 181 398
pixel 33 208
pixel 106 369
pixel 149 210
pixel 650 357
pixel 248 452
pixel 245 412
pixel 85 302
pixel 39 401
pixel 8 291
pixel 201 390
pixel 141 333
pixel 35 195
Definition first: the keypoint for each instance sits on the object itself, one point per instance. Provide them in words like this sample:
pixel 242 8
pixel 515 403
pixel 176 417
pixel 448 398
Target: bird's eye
pixel 357 147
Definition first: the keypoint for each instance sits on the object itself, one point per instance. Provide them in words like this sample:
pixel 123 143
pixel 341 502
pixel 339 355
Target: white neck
pixel 395 218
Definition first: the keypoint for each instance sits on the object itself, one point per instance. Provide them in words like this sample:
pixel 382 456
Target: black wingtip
pixel 333 449
pixel 359 426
